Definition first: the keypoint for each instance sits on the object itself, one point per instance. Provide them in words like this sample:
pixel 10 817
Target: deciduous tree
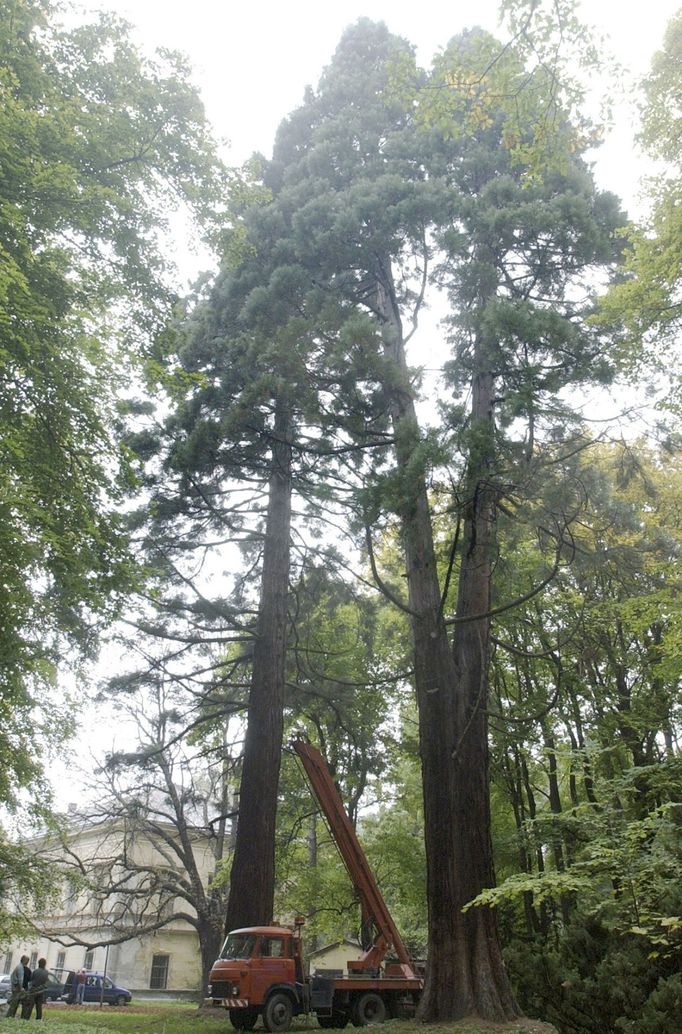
pixel 97 144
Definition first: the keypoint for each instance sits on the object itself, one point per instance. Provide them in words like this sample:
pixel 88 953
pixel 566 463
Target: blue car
pixel 113 995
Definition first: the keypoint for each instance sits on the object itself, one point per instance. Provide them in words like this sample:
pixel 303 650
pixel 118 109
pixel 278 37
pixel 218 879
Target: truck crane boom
pixel 372 903
pixel 260 970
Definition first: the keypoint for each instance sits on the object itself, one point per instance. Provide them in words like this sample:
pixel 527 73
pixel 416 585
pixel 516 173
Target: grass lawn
pixel 185 1018
pixel 137 1018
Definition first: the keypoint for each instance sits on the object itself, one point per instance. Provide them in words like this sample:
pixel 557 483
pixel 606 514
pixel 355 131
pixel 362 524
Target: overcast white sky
pixel 252 62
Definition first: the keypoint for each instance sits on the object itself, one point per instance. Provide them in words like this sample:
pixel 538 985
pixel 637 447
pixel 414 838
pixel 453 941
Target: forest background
pixel 581 672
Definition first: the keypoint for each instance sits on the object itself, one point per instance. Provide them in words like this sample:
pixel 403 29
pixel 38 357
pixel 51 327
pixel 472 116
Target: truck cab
pixel 260 970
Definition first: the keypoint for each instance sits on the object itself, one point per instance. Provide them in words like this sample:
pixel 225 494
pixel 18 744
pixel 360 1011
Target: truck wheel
pixel 368 1008
pixel 278 1012
pixel 243 1019
pixel 398 1008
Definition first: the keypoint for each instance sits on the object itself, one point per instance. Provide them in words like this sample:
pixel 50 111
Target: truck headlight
pixel 210 990
pixel 235 990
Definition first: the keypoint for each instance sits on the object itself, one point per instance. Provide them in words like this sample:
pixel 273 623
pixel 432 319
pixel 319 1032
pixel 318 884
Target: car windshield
pixel 238 946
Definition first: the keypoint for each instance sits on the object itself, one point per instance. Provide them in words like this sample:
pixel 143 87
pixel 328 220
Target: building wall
pixel 334 956
pixel 182 950
pixel 129 963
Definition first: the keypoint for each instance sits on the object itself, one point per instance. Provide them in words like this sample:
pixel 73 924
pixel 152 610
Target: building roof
pixel 349 941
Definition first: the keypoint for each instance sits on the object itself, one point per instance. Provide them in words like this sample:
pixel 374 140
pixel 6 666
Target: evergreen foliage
pixel 647 301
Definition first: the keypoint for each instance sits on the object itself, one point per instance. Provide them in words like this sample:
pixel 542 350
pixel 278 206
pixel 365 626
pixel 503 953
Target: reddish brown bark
pixel 252 882
pixel 465 973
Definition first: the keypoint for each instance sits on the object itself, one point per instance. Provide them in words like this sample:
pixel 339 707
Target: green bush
pixel 662 1011
pixel 593 980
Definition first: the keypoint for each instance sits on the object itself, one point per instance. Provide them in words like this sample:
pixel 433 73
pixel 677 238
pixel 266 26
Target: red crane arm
pixel 362 877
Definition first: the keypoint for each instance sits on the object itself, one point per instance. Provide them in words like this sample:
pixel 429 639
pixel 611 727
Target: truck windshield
pixel 238 946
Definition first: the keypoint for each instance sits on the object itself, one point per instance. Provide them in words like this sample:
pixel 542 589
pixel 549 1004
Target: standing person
pixel 80 986
pixel 35 994
pixel 17 985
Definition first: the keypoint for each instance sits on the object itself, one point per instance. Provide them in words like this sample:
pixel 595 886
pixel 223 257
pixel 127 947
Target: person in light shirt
pixel 17 983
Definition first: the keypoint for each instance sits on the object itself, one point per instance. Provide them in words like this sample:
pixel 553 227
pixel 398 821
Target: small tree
pixel 165 811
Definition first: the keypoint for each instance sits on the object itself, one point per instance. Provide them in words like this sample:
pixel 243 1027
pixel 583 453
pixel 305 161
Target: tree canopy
pixel 647 301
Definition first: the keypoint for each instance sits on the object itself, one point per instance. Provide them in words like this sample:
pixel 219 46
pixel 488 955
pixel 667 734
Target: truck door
pixel 271 964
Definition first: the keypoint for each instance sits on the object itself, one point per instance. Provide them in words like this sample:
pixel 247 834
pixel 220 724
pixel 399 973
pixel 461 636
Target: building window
pixel 34 959
pixel 159 978
pixel 61 959
pixel 89 959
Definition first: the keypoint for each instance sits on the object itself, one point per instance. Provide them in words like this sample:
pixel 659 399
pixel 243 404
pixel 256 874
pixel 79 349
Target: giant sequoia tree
pixel 255 424
pixel 365 192
pixel 229 477
pixel 384 185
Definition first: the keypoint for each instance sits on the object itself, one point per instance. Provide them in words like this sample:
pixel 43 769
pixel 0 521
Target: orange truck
pixel 260 971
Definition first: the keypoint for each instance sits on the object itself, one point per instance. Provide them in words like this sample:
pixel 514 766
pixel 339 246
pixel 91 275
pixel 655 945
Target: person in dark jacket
pixel 35 993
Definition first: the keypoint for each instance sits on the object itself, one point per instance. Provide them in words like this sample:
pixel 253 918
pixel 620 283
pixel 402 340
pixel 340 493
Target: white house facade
pixel 165 960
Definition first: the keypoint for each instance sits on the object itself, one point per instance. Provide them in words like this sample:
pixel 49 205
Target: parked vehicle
pixel 113 995
pixel 54 989
pixel 260 969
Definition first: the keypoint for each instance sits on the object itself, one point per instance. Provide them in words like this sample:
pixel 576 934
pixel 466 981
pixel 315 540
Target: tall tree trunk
pixel 561 852
pixel 210 932
pixel 313 852
pixel 482 967
pixel 252 882
pixel 514 780
pixel 465 973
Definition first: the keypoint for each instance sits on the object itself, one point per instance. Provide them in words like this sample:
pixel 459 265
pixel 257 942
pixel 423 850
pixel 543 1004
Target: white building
pixel 162 960
pixel 333 956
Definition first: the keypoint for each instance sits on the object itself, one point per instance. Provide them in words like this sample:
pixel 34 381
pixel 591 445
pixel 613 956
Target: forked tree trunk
pixel 468 942
pixel 211 933
pixel 252 882
pixel 465 974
